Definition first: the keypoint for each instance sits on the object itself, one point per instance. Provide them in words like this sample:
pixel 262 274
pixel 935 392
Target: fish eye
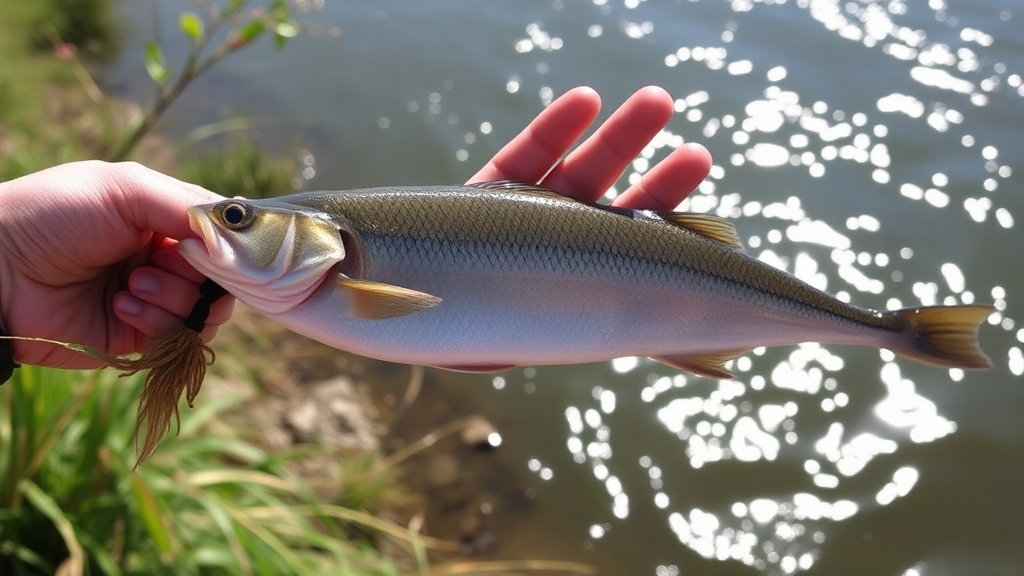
pixel 236 215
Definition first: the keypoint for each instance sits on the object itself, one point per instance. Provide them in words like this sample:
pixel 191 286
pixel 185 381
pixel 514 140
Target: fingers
pixel 588 171
pixel 157 300
pixel 595 165
pixel 665 185
pixel 166 256
pixel 531 154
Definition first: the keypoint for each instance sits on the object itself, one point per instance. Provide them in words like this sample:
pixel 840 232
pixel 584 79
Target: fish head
pixel 269 254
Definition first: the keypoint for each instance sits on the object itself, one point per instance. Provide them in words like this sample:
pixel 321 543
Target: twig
pixel 426 441
pixel 195 66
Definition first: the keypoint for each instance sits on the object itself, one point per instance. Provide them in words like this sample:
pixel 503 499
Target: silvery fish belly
pixel 496 275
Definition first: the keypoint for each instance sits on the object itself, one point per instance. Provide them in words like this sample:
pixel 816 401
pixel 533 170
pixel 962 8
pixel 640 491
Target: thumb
pixel 157 202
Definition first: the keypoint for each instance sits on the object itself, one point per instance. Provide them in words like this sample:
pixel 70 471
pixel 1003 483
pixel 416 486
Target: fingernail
pixel 128 305
pixel 145 282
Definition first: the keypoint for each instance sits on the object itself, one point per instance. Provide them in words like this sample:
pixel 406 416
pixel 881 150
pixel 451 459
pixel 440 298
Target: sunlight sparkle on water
pixel 607 400
pixel 538 39
pixel 954 277
pixel 575 419
pixel 1016 360
pixel 942 77
pixel 625 364
pixel 903 480
pixel 543 472
pixel 817 232
pixel 768 155
pixel 903 407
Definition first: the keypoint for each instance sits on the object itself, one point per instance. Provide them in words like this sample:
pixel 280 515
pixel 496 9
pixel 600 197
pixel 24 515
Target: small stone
pixel 303 419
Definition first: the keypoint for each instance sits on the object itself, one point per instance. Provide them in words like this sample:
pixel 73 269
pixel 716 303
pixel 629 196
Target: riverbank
pixel 51 110
pixel 850 164
pixel 444 447
pixel 319 473
pixel 344 426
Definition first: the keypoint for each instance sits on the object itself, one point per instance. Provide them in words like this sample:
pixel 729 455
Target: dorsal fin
pixel 513 186
pixel 711 227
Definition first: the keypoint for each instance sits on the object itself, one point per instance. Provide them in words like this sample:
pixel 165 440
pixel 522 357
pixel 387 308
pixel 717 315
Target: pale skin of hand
pixel 88 251
pixel 595 165
pixel 87 256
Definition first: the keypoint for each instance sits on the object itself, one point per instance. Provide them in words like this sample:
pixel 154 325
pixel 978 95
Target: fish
pixel 486 277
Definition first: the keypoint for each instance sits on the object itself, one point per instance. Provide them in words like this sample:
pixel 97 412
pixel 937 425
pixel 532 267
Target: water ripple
pixel 775 412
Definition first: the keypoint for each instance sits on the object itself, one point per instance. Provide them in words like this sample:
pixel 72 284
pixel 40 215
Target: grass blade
pixel 74 565
pixel 514 567
pixel 151 517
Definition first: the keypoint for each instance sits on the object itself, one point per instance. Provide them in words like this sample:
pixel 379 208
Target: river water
pixel 872 148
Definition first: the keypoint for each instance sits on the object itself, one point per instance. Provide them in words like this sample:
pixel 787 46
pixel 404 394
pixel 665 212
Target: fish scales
pixel 561 235
pixel 490 276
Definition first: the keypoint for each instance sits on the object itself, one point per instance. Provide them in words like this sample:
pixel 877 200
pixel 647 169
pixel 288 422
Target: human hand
pixel 594 166
pixel 88 255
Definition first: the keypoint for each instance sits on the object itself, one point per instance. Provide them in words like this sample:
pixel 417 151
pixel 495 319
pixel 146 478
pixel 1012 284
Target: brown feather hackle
pixel 177 362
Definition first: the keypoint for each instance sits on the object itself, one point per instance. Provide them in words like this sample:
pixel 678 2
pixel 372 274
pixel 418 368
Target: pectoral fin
pixel 711 364
pixel 371 300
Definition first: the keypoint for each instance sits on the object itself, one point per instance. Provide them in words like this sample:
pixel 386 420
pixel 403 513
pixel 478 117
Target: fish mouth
pixel 198 249
pixel 198 222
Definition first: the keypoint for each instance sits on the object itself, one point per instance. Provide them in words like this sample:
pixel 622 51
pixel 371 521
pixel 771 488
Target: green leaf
pixel 287 28
pixel 191 25
pixel 284 30
pixel 155 64
pixel 28 556
pixel 251 31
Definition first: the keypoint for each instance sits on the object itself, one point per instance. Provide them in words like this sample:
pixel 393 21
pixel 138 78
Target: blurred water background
pixel 872 148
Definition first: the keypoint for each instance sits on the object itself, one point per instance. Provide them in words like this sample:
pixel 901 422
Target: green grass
pixel 209 502
pixel 39 95
pixel 241 169
pixel 90 25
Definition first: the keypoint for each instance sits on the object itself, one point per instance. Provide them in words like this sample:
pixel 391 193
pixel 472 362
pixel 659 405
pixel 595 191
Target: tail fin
pixel 943 335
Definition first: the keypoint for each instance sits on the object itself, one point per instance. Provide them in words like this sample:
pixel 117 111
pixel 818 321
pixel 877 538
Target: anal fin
pixel 477 368
pixel 710 364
